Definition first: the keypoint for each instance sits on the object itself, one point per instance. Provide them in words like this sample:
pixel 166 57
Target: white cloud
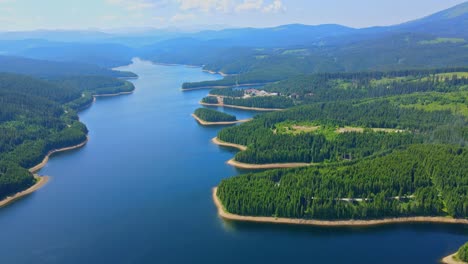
pixel 206 5
pixel 249 5
pixel 175 12
pixel 231 5
pixel 275 7
pixel 133 5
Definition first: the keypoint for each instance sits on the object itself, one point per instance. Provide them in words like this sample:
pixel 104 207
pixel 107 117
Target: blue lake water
pixel 140 192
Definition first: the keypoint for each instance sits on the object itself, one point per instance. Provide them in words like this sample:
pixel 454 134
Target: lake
pixel 140 192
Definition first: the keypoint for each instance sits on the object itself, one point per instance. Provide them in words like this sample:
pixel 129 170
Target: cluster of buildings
pixel 260 93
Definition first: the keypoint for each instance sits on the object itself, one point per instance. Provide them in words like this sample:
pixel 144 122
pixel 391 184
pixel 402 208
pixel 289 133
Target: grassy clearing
pixel 295 51
pixel 442 41
pixel 452 75
pixel 330 132
pixel 456 102
pixel 348 129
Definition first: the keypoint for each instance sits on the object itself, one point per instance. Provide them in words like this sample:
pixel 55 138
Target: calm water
pixel 140 192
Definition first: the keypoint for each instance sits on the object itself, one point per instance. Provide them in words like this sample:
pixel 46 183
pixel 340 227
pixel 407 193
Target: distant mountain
pixel 442 37
pixel 56 35
pixel 286 35
pixel 452 22
pixel 50 69
pixel 105 55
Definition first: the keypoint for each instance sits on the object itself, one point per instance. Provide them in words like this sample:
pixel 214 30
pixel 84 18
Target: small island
pixel 460 257
pixel 209 117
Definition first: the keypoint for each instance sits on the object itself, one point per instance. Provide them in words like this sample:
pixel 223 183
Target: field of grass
pixel 330 132
pixel 442 41
pixel 456 102
pixel 296 128
pixel 295 52
pixel 452 74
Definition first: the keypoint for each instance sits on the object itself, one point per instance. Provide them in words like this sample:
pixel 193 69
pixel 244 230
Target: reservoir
pixel 140 192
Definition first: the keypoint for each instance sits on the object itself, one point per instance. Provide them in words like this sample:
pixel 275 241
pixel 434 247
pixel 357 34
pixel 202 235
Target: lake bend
pixel 140 192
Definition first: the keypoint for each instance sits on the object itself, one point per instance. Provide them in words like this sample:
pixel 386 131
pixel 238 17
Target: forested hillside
pixel 439 40
pixel 37 116
pixel 51 69
pixel 210 115
pixel 419 180
pixel 383 144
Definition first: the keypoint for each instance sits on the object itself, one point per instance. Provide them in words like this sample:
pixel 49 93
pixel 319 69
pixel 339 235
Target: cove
pixel 140 192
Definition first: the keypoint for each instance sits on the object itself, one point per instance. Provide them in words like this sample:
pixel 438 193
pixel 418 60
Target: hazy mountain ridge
pixel 437 40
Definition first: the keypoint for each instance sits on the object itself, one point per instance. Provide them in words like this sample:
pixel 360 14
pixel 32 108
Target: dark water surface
pixel 140 192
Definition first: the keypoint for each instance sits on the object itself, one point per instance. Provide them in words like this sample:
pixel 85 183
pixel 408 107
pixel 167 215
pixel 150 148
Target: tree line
pixel 39 115
pixel 418 180
pixel 211 115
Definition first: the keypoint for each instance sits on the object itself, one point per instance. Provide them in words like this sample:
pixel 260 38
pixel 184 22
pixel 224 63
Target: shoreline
pixel 192 66
pixel 218 72
pixel 111 95
pixel 221 143
pixel 451 260
pixel 50 153
pixel 41 181
pixel 206 123
pixel 223 86
pixel 244 107
pixel 328 223
pixel 241 165
pixel 248 166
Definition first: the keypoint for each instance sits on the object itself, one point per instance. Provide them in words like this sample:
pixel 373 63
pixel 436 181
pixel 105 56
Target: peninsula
pixel 222 212
pixel 210 117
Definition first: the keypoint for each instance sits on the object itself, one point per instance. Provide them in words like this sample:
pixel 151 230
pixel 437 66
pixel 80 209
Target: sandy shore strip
pixel 219 142
pixel 451 260
pixel 339 223
pixel 46 158
pixel 244 107
pixel 110 95
pixel 41 181
pixel 248 166
pixel 222 86
pixel 219 72
pixel 206 123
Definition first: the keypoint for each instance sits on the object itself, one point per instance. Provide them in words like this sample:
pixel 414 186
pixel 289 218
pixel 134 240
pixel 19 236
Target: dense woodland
pixel 37 116
pixel 462 253
pixel 210 100
pixel 325 87
pixel 280 102
pixel 418 166
pixel 422 180
pixel 210 115
pixel 396 52
pixel 345 86
pixel 230 92
pixel 267 146
pixel 268 102
pixel 54 69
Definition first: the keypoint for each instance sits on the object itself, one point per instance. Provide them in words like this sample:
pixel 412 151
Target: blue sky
pixel 107 14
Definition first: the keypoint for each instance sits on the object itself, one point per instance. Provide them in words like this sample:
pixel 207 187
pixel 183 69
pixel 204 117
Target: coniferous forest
pixel 381 145
pixel 37 116
pixel 211 115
